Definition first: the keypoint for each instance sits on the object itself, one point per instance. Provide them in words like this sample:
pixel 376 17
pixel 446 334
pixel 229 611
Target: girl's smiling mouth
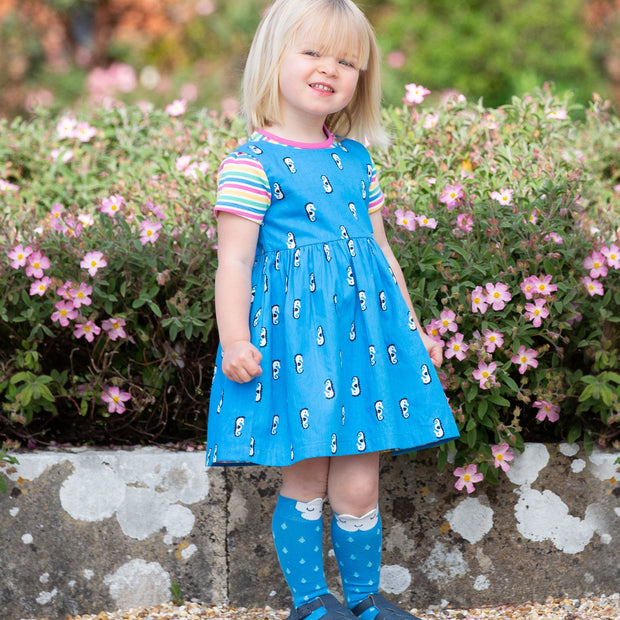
pixel 322 87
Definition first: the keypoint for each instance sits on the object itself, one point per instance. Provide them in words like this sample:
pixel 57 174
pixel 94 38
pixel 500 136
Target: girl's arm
pixel 237 239
pixel 433 348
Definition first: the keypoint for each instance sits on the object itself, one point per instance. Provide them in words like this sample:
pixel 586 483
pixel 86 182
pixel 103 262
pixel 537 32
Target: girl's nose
pixel 328 66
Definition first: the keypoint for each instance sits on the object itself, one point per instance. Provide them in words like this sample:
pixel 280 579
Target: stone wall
pixel 86 530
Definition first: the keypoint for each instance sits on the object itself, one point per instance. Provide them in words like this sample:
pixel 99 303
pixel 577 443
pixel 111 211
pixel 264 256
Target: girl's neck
pixel 299 133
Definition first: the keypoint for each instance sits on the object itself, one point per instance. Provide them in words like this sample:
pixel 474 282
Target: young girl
pixel 322 363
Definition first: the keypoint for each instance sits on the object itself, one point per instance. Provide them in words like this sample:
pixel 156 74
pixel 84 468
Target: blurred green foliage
pixel 483 48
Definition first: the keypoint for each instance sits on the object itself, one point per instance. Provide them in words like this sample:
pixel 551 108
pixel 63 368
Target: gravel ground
pixel 598 608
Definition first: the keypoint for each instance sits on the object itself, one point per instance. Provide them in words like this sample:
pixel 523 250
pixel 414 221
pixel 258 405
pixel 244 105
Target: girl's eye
pixel 311 53
pixel 346 63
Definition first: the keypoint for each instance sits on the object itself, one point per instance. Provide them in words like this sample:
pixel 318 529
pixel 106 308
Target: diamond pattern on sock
pixel 357 545
pixel 298 540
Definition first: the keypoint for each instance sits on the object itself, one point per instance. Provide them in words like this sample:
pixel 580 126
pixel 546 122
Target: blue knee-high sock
pixel 357 544
pixel 297 529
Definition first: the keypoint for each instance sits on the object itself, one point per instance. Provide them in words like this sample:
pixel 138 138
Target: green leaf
pixel 574 433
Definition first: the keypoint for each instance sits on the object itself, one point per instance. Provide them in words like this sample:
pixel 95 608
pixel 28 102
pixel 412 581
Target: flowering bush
pixel 506 224
pixel 504 220
pixel 107 278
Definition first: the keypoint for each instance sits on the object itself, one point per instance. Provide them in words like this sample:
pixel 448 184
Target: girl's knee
pixel 306 480
pixel 354 486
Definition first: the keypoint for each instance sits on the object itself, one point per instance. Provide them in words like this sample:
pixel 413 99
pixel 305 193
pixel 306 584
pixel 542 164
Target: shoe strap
pixel 303 611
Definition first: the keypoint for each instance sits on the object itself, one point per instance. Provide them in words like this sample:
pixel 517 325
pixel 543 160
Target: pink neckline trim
pixel 329 140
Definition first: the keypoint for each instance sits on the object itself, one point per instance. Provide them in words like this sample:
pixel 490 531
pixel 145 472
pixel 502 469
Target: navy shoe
pixel 387 611
pixel 334 610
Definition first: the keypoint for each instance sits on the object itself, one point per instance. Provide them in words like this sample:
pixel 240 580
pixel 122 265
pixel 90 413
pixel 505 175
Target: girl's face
pixel 315 82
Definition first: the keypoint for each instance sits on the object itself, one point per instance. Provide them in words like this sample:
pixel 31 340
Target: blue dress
pixel 344 370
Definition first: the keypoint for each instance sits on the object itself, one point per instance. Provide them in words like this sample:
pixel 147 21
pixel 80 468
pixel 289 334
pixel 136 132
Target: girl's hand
pixel 433 348
pixel 241 361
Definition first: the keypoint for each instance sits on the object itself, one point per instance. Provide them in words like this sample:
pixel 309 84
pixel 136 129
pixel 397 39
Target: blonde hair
pixel 343 27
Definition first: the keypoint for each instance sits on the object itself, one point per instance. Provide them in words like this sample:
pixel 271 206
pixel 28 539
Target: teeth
pixel 322 87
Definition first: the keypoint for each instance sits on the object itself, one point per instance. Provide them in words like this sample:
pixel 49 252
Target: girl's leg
pixel 297 528
pixel 353 490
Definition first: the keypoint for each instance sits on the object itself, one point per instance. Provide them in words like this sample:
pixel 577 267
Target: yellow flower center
pixel 467 477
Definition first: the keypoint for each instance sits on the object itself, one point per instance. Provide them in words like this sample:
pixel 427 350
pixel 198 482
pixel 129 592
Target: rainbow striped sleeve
pixel 243 188
pixel 376 198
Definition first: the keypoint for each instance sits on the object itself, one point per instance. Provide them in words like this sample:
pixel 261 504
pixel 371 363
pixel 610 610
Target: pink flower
pixel 149 232
pixel 81 295
pixel 426 222
pixel 64 313
pixel 5 186
pixel 115 398
pixel 485 375
pixel 596 264
pixel 467 477
pixel 86 219
pixel 396 59
pixel 183 162
pixel 84 132
pixel 93 261
pixel 196 170
pixel 88 329
pixel 64 155
pixel 66 127
pixel 155 210
pixel 114 328
pixel 479 300
pixel 451 195
pixel 465 222
pixel 558 114
pixel 502 454
pixel 557 239
pixel 612 254
pixel 547 411
pixel 416 93
pixel 405 218
pixel 456 347
pixel 497 295
pixel 542 286
pixel 447 321
pixel 528 286
pixel 19 255
pixel 536 312
pixel 594 287
pixel 525 357
pixel 64 291
pixel 36 264
pixel 492 339
pixel 177 107
pixel 38 287
pixel 72 229
pixel 112 205
pixel 432 329
pixel 504 196
pixel 430 121
pixel 56 211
